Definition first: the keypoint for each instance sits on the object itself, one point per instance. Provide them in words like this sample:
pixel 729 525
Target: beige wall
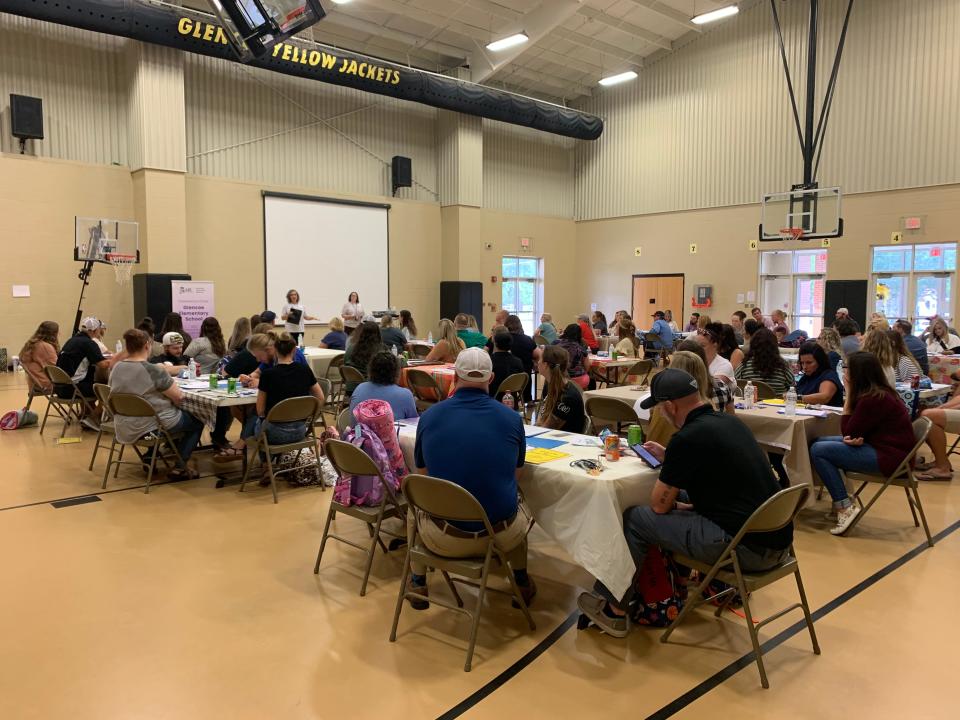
pixel 606 261
pixel 38 201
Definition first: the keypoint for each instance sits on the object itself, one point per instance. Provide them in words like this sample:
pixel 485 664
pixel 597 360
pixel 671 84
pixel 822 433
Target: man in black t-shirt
pixel 79 358
pixel 504 362
pixel 714 476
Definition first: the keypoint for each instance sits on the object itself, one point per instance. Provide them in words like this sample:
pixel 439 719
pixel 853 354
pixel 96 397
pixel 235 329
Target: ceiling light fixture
pixel 508 42
pixel 708 17
pixel 617 79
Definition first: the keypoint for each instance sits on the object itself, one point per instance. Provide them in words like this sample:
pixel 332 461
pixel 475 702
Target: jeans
pixel 277 433
pixel 192 429
pixel 830 454
pixel 685 532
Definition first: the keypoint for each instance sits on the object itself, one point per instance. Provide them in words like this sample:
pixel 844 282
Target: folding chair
pixel 344 420
pixel 776 513
pixel 419 351
pixel 764 391
pixel 298 409
pixel 426 391
pixel 901 477
pixel 651 341
pixel 158 443
pixel 326 388
pixel 611 411
pixel 33 391
pixel 444 500
pixel 351 376
pixel 336 382
pixel 106 419
pixel 351 460
pixel 515 385
pixel 641 369
pixel 70 409
pixel 540 340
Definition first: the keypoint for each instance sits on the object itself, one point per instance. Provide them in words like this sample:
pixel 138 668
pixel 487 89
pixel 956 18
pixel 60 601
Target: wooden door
pixel 657 292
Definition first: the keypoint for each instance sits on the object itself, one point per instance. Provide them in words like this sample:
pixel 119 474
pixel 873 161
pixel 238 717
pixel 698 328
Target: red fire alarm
pixel 912 223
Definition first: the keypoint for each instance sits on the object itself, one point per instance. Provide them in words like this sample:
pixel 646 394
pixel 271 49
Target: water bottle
pixel 300 341
pixel 508 400
pixel 749 395
pixel 119 347
pixel 430 337
pixel 393 350
pixel 193 370
pixel 790 407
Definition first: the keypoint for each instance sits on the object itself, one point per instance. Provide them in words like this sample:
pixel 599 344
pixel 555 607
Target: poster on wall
pixel 193 299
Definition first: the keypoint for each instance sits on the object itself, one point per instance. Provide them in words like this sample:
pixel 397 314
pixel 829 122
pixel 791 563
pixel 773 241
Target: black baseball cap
pixel 670 384
pixel 658 314
pixel 268 316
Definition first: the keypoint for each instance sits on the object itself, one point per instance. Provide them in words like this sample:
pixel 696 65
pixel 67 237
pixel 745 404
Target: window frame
pixel 913 275
pixel 517 280
pixel 793 317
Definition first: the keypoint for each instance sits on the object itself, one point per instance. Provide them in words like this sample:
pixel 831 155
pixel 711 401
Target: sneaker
pixel 528 592
pixel 593 607
pixel 90 424
pixel 417 590
pixel 844 518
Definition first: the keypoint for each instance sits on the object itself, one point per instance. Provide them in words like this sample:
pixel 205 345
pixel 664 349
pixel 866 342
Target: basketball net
pixel 791 233
pixel 122 267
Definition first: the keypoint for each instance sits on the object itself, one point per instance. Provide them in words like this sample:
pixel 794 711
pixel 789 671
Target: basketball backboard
pixel 816 211
pixel 102 240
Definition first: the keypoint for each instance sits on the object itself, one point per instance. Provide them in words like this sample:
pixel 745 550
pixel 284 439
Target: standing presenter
pixel 352 313
pixel 294 316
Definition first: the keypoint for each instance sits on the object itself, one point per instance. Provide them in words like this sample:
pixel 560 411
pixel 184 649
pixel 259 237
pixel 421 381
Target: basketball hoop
pixel 791 233
pixel 122 266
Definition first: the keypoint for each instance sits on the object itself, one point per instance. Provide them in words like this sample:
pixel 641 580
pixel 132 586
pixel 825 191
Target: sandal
pixel 182 474
pixel 935 474
pixel 228 454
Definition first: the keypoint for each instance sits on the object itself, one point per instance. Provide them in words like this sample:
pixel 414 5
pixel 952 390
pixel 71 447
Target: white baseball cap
pixel 474 365
pixel 172 338
pixel 90 324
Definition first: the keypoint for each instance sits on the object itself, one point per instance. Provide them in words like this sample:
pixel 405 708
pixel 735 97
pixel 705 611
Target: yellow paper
pixel 774 401
pixel 538 456
pixel 67 440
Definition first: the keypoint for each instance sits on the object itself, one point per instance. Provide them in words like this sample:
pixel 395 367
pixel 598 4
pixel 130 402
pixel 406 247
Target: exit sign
pixel 912 223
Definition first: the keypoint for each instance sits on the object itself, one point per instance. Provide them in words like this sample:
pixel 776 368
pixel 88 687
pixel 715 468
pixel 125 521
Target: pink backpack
pixel 374 434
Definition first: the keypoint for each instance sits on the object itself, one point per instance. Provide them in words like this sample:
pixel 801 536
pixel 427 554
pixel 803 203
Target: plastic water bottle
pixel 430 337
pixel 790 406
pixel 508 400
pixel 193 370
pixel 300 341
pixel 119 347
pixel 749 395
pixel 393 350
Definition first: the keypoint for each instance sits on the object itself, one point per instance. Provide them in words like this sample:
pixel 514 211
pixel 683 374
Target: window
pixel 914 282
pixel 522 290
pixel 795 281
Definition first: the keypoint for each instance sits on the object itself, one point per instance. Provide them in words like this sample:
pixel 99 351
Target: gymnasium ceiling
pixel 573 43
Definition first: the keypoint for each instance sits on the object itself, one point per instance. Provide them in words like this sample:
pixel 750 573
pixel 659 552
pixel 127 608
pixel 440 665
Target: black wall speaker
pixel 26 117
pixel 153 296
pixel 461 297
pixel 402 172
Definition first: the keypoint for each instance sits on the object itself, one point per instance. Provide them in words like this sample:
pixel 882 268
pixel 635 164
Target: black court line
pixel 747 660
pixel 513 670
pixel 74 497
pixel 82 500
pixel 717 678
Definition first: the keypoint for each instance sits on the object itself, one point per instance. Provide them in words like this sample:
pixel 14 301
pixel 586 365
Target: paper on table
pixel 538 456
pixel 587 441
pixel 809 413
pixel 532 430
pixel 544 443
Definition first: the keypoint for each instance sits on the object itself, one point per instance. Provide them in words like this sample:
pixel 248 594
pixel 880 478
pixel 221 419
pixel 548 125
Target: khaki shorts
pixel 953 421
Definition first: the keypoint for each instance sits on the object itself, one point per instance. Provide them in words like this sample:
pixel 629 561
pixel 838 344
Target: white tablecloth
pixel 582 513
pixel 319 359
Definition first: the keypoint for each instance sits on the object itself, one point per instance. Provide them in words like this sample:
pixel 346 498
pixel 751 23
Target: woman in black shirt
pixel 562 407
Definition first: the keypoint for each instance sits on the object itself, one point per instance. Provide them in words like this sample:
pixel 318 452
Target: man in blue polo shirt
pixel 661 328
pixel 478 443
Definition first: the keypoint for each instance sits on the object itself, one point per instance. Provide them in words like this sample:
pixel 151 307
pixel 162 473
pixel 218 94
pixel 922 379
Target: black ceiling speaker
pixel 26 117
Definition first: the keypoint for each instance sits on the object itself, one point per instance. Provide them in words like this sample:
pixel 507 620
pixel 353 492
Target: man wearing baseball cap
pixel 661 328
pixel 80 357
pixel 172 357
pixel 713 477
pixel 478 443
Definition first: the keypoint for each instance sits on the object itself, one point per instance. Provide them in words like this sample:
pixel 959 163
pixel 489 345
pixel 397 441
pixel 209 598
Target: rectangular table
pixel 582 513
pixel 319 359
pixel 203 403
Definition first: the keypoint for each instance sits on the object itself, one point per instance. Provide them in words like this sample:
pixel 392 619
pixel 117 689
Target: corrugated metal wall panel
pixel 710 125
pixel 527 171
pixel 250 124
pixel 156 107
pixel 79 75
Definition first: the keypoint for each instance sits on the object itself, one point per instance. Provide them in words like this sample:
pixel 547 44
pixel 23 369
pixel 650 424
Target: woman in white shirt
pixel 941 341
pixel 352 313
pixel 709 338
pixel 294 316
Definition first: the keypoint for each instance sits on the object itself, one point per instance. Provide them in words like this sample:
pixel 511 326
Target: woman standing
pixel 39 351
pixel 294 316
pixel 448 345
pixel 877 435
pixel 562 407
pixel 208 349
pixel 819 384
pixel 352 313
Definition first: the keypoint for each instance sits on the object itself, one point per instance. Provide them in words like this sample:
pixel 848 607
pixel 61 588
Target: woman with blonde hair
pixel 690 363
pixel 562 407
pixel 336 339
pixel 39 351
pixel 628 343
pixel 448 345
pixel 241 333
pixel 878 320
pixel 703 321
pixel 941 341
pixel 829 340
pixel 262 346
pixel 878 344
pixel 906 365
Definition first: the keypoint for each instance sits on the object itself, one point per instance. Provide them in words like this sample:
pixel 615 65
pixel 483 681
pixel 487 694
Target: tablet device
pixel 645 455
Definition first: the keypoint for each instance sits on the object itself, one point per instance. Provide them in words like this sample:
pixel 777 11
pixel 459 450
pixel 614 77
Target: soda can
pixel 634 435
pixel 915 382
pixel 611 447
pixel 232 386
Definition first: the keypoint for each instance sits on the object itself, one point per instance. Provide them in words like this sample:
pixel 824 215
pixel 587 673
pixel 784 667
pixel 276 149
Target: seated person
pixel 80 357
pixel 849 336
pixel 906 366
pixel 661 328
pixel 716 460
pixel 779 317
pixel 586 332
pixel 763 362
pixel 628 344
pixel 383 372
pixel 829 340
pixel 208 349
pixel 136 376
pixel 945 419
pixel 504 362
pixel 336 339
pixel 242 363
pixel 407 325
pixel 390 335
pixel 172 359
pixel 718 392
pixel 365 343
pixel 563 399
pixel 876 341
pixel 469 336
pixel 598 321
pixel 242 330
pixel 523 348
pixel 98 339
pixel 578 367
pixel 263 347
pixel 547 330
pixel 940 340
pixel 38 352
pixel 711 338
pixel 448 345
pixel 451 436
pixel 914 344
pixel 693 324
pixel 174 323
pixel 819 384
pixel 736 322
pixel 877 434
pixel 284 378
pixel 729 348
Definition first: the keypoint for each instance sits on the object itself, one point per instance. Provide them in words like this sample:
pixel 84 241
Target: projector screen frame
pixel 264 194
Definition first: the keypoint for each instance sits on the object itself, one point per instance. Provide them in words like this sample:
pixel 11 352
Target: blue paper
pixel 544 443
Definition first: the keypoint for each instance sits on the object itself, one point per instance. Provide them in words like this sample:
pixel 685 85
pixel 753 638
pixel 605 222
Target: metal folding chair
pixel 71 409
pixel 515 385
pixel 445 500
pixel 106 419
pixel 157 443
pixel 776 513
pixel 426 391
pixel 610 411
pixel 764 391
pixel 419 351
pixel 352 376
